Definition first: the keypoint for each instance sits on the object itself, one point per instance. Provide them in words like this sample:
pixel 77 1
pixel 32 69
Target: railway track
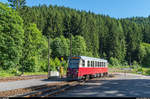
pixel 44 90
pixel 51 90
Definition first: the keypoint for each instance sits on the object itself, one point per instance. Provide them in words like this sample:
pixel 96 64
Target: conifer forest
pixel 24 33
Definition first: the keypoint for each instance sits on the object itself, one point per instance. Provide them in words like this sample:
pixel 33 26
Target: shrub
pixel 15 71
pixel 135 65
pixel 52 65
pixel 114 61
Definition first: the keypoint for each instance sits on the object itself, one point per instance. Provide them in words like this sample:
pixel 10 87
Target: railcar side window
pixel 93 63
pixel 88 63
pixel 83 63
pixel 100 64
pixel 96 64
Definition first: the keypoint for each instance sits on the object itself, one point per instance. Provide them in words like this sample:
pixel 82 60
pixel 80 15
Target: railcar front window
pixel 74 63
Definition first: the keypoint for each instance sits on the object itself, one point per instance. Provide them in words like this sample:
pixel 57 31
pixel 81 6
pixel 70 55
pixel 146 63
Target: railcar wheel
pixel 87 77
pixel 106 74
pixel 99 75
pixel 90 77
pixel 84 78
pixel 102 74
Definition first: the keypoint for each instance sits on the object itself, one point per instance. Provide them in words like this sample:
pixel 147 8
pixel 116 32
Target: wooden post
pixel 70 45
pixel 49 57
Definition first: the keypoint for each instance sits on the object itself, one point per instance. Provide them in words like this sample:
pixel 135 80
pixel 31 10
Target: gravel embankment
pixel 7 79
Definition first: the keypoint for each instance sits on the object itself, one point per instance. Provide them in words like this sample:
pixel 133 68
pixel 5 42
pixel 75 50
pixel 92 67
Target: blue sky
pixel 113 8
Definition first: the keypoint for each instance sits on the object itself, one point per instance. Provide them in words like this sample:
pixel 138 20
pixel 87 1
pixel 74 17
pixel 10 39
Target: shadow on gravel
pixel 111 88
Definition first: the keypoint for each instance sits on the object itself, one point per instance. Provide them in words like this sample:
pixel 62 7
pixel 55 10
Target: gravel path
pixel 129 76
pixel 4 86
pixel 122 85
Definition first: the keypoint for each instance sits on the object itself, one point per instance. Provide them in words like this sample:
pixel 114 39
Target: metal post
pixel 48 57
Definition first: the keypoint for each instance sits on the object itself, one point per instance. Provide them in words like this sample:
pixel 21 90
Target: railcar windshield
pixel 74 63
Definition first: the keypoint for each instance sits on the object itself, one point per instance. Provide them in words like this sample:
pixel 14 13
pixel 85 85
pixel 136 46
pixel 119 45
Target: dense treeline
pixel 24 43
pixel 105 37
pixel 145 24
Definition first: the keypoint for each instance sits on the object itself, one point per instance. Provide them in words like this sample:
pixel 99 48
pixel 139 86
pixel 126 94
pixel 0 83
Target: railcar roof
pixel 91 58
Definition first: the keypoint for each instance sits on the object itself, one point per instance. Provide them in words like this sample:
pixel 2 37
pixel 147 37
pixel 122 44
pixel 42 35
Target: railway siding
pixel 22 91
pixel 35 87
pixel 9 88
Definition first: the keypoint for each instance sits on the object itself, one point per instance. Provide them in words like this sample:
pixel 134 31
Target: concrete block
pixel 54 73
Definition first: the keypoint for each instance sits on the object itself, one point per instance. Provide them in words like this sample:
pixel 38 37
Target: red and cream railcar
pixel 82 67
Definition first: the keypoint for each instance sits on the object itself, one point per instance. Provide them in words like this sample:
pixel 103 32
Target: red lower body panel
pixel 86 71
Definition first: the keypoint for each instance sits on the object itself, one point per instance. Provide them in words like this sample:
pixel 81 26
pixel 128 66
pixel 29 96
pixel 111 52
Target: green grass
pixel 8 74
pixel 35 73
pixel 144 70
